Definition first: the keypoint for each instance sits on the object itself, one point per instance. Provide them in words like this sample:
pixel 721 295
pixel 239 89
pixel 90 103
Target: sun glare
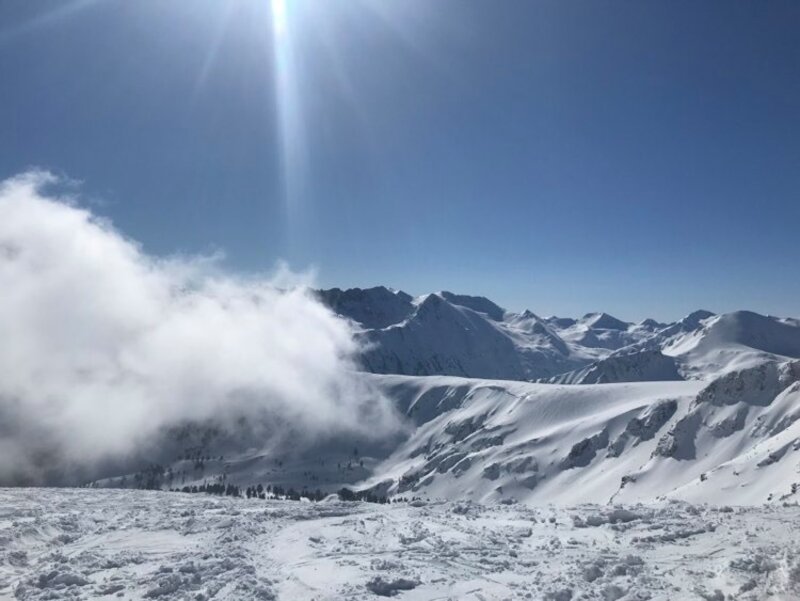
pixel 279 17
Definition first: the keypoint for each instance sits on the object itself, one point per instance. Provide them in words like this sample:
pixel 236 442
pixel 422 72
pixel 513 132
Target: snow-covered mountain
pixel 372 308
pixel 703 345
pixel 734 341
pixel 468 336
pixel 442 337
pixel 703 409
pixel 734 439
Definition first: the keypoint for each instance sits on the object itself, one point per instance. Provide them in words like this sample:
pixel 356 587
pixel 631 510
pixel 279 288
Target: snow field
pixel 122 544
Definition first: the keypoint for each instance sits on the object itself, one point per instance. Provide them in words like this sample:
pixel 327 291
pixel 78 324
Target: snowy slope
pixel 631 366
pixel 539 443
pixel 735 439
pixel 735 341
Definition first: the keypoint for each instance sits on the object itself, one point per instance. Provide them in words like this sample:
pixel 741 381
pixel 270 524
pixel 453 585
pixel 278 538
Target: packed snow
pixel 96 544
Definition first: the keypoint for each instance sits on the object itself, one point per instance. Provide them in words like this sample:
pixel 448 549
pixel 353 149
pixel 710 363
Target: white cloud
pixel 103 346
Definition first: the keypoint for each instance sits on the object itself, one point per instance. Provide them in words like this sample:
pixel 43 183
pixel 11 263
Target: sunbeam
pixel 279 17
pixel 291 123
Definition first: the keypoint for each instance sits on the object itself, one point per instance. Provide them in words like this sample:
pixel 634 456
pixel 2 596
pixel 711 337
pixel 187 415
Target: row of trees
pixel 228 490
pixel 278 492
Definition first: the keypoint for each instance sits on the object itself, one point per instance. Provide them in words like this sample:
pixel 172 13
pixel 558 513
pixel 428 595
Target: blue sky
pixel 641 158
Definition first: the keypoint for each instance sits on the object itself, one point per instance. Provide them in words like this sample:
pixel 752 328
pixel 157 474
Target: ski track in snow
pixel 125 544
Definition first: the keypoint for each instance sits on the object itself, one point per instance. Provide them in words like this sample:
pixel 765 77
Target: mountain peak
pixel 376 307
pixel 651 323
pixel 698 316
pixel 479 304
pixel 604 321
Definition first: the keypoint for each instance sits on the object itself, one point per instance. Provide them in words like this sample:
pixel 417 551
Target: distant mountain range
pixel 470 336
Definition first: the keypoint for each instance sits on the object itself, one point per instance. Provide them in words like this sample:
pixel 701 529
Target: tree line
pixel 258 491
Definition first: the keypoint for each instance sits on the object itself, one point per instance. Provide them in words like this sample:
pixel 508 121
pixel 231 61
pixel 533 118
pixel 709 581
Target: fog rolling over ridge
pixel 102 347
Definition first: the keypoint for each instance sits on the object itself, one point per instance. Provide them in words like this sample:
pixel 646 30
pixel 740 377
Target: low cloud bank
pixel 103 347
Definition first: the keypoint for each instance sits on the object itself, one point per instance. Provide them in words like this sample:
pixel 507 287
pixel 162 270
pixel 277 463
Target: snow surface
pixel 112 544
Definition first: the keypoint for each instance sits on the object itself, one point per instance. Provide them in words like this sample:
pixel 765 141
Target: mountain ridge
pixel 444 333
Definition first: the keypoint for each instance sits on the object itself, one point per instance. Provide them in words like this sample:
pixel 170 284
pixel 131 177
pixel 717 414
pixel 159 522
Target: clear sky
pixel 636 157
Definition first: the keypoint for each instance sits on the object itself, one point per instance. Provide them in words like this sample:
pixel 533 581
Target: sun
pixel 279 17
